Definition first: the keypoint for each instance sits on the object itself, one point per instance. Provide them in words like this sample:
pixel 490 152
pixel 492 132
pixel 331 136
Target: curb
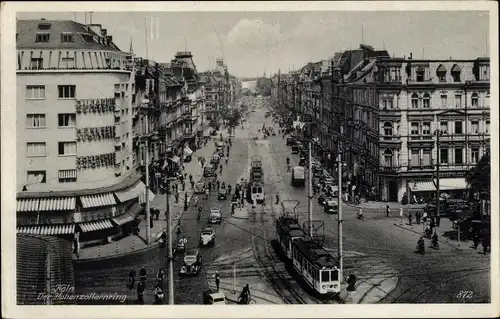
pixel 419 233
pixel 153 245
pixel 233 216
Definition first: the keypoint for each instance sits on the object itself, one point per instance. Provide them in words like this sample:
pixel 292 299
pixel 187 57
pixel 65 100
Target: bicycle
pixel 249 301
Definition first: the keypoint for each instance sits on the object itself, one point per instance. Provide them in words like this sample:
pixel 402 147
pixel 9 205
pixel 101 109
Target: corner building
pixel 75 174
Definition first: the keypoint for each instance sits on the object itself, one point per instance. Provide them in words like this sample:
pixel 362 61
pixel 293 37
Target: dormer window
pixel 441 73
pixel 420 73
pixel 455 73
pixel 67 37
pixel 44 26
pixel 88 38
pixel 42 37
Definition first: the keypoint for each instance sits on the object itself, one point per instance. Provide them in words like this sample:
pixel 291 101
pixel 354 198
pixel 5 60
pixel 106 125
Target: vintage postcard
pixel 226 159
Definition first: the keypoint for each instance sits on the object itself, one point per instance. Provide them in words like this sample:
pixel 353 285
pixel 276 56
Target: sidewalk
pixel 133 243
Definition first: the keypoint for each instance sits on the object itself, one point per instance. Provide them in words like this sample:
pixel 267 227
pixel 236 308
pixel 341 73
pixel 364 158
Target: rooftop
pixel 61 34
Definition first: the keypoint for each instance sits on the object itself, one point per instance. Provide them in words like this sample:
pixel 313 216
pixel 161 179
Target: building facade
pixel 74 133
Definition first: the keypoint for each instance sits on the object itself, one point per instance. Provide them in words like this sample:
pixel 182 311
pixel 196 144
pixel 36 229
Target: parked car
pixel 322 199
pixel 207 237
pixel 290 141
pixel 199 187
pixel 213 298
pixel 331 207
pixel 192 263
pixel 222 193
pixel 215 216
pixel 209 171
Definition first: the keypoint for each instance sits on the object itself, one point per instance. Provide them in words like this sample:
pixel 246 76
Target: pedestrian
pixel 157 214
pixel 183 186
pixel 218 184
pixel 190 177
pixel 176 197
pixel 486 243
pixel 192 184
pixel 410 217
pixel 388 211
pixel 277 199
pixel 432 225
pixel 438 221
pixel 417 216
pixel 217 279
pixel 151 221
pixel 401 215
pixel 476 240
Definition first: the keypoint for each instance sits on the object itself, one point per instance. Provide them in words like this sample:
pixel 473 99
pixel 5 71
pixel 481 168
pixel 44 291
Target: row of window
pixel 425 101
pixel 45 37
pixel 39 120
pixel 422 157
pixel 39 149
pixel 40 177
pixel 37 92
pixel 424 128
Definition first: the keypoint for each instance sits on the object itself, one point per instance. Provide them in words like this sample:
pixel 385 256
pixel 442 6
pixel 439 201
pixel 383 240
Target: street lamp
pixel 438 133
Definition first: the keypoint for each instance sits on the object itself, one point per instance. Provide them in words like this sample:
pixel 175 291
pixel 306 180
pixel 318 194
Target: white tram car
pixel 287 229
pixel 256 192
pixel 316 266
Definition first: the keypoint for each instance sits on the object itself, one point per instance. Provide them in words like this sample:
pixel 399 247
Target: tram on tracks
pixel 255 187
pixel 315 265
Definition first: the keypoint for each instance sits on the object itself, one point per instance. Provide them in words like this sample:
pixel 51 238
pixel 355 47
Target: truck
pixel 298 176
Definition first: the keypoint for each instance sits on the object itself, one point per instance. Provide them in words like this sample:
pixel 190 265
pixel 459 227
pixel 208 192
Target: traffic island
pixel 240 213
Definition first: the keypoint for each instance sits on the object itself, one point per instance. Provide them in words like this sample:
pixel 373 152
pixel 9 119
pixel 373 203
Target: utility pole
pixel 438 203
pixel 340 257
pixel 148 220
pixel 169 247
pixel 309 195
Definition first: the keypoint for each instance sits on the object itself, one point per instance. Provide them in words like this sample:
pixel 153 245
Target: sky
pixel 252 43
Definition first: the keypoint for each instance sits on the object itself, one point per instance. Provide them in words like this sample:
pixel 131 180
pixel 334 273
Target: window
pixel 458 101
pixel 474 127
pixel 459 156
pixel 66 37
pixel 444 101
pixel 443 127
pixel 426 158
pixel 42 37
pixel 474 100
pixel 69 63
pixel 455 73
pixel 36 177
pixel 44 26
pixel 414 101
pixel 66 91
pixel 427 101
pixel 67 148
pixel 325 276
pixel 34 149
pixel 474 153
pixel 458 127
pixel 487 126
pixel 420 75
pixel 414 128
pixel 88 37
pixel 66 120
pixel 388 158
pixel 35 92
pixel 441 73
pixel 426 128
pixel 67 176
pixel 36 63
pixel 35 121
pixel 415 157
pixel 443 156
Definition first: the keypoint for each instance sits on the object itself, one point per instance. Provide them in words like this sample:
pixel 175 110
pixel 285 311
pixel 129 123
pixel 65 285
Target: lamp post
pixel 438 133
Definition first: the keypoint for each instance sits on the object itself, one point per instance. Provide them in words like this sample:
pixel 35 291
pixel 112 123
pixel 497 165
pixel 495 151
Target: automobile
pixel 213 133
pixel 332 190
pixel 290 141
pixel 222 193
pixel 207 237
pixel 181 245
pixel 215 159
pixel 295 149
pixel 213 298
pixel 331 207
pixel 215 216
pixel 191 263
pixel 199 187
pixel 327 181
pixel 322 199
pixel 209 171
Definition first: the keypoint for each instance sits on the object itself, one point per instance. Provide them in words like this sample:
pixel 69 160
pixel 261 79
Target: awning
pixel 96 225
pixel 98 200
pixel 128 216
pixel 452 184
pixel 131 192
pixel 47 229
pixel 57 203
pixel 142 197
pixel 28 205
pixel 175 159
pixel 187 151
pixel 424 186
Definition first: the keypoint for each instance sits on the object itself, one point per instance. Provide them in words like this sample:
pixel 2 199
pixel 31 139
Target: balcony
pixel 389 170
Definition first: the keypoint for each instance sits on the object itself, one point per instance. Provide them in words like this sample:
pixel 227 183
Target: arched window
pixel 441 73
pixel 388 129
pixel 414 101
pixel 427 101
pixel 474 100
pixel 388 158
pixel 455 73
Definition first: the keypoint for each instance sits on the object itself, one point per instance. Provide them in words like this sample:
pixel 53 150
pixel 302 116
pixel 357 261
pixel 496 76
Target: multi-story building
pixel 219 90
pixel 75 171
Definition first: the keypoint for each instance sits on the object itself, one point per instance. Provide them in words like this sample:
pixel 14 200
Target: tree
pixel 478 178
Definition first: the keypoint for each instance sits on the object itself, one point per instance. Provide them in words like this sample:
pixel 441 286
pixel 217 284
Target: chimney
pixel 411 56
pixel 97 28
pixel 104 32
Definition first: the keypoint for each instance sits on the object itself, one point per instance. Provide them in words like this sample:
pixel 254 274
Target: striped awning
pixel 452 183
pixel 128 216
pixel 131 192
pixel 47 229
pixel 28 205
pixel 95 225
pixel 98 200
pixel 423 186
pixel 142 197
pixel 57 203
